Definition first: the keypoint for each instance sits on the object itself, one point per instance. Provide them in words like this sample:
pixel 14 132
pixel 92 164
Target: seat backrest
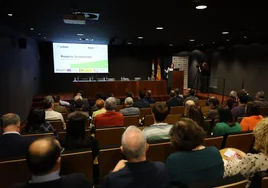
pixel 108 158
pixel 36 136
pixel 57 124
pixel 241 141
pixel 17 171
pixel 119 107
pixel 144 112
pixel 14 171
pixel 264 182
pixel 79 162
pixel 205 110
pixel 201 103
pixel 159 152
pixel 64 115
pixel 109 137
pixel 131 120
pixel 240 184
pixel 176 110
pixel 214 141
pixel 148 120
pixel 173 118
pixel 264 111
pixel 62 136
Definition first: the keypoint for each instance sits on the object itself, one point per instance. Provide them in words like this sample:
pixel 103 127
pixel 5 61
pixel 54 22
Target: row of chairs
pixel 82 162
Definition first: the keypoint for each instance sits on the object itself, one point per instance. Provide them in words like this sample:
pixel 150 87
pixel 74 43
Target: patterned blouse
pixel 247 166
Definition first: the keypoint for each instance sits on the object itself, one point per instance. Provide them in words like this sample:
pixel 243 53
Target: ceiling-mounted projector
pixel 80 17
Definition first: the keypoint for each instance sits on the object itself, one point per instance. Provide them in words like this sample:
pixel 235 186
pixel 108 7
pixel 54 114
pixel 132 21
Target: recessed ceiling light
pixel 227 40
pixel 213 42
pixel 245 37
pixel 129 43
pixel 45 37
pixel 80 34
pixel 192 40
pixel 87 39
pixel 80 39
pixel 39 33
pixel 201 7
pixel 202 44
pixel 170 44
pixel 140 37
pixel 225 32
pixel 10 14
pixel 159 28
pixel 92 39
pixel 31 28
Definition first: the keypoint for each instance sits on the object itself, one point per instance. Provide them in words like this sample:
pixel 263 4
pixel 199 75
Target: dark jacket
pixel 68 181
pixel 13 145
pixel 141 103
pixel 175 102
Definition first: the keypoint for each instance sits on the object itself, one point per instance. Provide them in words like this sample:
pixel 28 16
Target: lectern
pixel 176 80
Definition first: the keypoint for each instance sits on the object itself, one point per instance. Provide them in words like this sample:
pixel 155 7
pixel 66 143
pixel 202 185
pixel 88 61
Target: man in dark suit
pixel 174 101
pixel 12 144
pixel 136 171
pixel 141 103
pixel 43 159
pixel 148 97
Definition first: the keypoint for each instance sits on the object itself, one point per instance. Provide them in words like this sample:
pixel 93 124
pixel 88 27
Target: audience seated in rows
pixel 76 133
pixel 148 97
pixel 118 101
pixel 85 101
pixel 239 111
pixel 192 162
pixel 194 113
pixel 226 124
pixel 159 130
pixel 252 118
pixel 78 109
pixel 214 104
pixel 129 110
pixel 177 92
pixel 187 106
pixel 141 102
pixel 38 124
pixel 174 100
pixel 100 106
pixel 57 106
pixel 12 144
pixel 136 171
pixel 44 161
pixel 249 164
pixel 249 97
pixel 260 99
pixel 192 96
pixel 110 118
pixel 50 113
pixel 232 101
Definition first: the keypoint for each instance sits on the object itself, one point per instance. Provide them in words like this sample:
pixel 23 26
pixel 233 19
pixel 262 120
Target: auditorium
pixel 133 94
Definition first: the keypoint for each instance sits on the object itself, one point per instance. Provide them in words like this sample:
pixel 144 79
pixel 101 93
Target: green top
pixel 195 166
pixel 223 128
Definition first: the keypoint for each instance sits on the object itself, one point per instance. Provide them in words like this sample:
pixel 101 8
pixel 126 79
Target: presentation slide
pixel 80 58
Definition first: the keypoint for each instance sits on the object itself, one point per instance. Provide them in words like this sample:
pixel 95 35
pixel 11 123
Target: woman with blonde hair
pixel 249 164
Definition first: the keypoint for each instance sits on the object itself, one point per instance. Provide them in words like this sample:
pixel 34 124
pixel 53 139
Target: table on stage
pixel 119 88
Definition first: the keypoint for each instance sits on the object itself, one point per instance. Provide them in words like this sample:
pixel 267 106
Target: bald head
pixel 133 143
pixel 172 93
pixel 189 103
pixel 43 156
pixel 148 93
pixel 129 101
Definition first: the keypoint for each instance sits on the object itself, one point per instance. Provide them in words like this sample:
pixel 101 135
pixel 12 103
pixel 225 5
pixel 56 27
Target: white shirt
pixel 64 103
pixel 53 115
pixel 11 132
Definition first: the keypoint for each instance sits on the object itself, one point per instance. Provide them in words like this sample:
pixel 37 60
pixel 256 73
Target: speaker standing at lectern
pixel 169 69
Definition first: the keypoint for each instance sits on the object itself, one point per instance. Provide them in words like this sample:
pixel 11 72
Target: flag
pixel 153 73
pixel 158 73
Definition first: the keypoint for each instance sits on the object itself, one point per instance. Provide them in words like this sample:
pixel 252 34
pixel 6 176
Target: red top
pixel 109 119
